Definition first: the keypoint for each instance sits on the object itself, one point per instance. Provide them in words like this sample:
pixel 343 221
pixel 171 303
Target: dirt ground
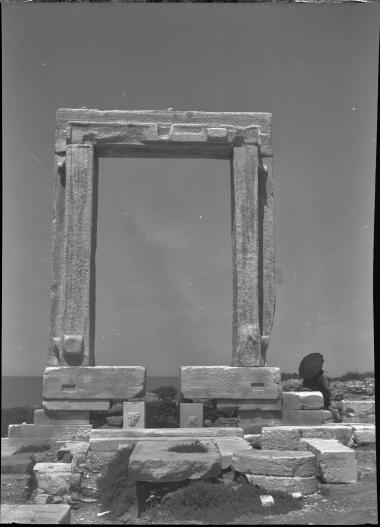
pixel 334 504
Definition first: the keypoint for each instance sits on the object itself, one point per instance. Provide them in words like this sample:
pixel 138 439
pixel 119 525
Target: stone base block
pixel 93 382
pixel 53 478
pixel 36 514
pixel 48 417
pixel 191 415
pixel 358 411
pixel 133 414
pixel 271 483
pixel 302 417
pixel 228 445
pixel 363 434
pixel 15 488
pixel 153 462
pixel 67 431
pixel 302 400
pixel 229 382
pixel 288 437
pixel 336 463
pixel 274 463
pixel 252 421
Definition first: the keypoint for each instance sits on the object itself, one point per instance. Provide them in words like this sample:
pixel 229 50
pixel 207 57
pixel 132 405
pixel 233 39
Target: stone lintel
pixel 230 382
pixel 93 382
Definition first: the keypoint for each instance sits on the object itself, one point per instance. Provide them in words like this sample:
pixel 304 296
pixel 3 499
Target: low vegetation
pixel 194 446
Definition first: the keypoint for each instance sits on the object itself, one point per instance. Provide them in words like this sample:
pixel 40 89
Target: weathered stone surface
pixel 226 382
pixel 302 417
pixel 46 417
pixel 166 432
pixel 97 382
pixel 274 462
pixel 45 432
pixel 336 463
pixel 191 415
pixel 228 445
pixel 253 404
pixel 306 485
pixel 152 462
pixel 75 405
pixel 36 514
pixel 134 414
pixel 53 478
pixel 15 488
pixel 253 439
pixel 6 448
pixel 358 411
pixel 302 400
pixel 288 437
pixel 246 337
pixel 17 464
pixel 363 434
pixel 252 421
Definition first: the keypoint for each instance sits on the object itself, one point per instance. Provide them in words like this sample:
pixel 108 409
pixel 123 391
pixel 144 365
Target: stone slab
pixel 143 433
pixel 363 434
pixel 288 437
pixel 302 417
pixel 358 411
pixel 228 445
pixel 152 462
pixel 65 405
pixel 302 400
pixel 17 464
pixel 306 485
pixel 15 488
pixel 95 382
pixel 228 382
pixel 336 463
pixel 36 514
pixel 191 415
pixel 274 462
pixel 68 431
pixel 46 417
pixel 133 414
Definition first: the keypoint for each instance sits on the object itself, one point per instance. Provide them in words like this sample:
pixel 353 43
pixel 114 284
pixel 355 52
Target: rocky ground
pixel 353 389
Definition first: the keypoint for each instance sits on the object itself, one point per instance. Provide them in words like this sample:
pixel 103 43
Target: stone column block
pixel 191 415
pixel 134 414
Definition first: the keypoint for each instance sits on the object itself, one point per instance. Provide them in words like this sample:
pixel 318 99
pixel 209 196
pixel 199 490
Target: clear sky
pixel 164 272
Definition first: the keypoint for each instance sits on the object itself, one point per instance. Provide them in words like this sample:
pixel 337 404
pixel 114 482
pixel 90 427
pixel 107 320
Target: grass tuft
pixel 194 446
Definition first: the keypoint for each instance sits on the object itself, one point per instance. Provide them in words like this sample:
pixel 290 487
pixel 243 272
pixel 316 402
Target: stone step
pixel 287 437
pixel 142 433
pixel 36 514
pixel 336 463
pixel 284 463
pixel 363 434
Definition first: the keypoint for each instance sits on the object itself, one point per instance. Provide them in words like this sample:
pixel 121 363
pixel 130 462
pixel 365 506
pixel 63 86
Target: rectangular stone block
pixel 36 514
pixel 302 400
pixel 302 417
pixel 363 434
pixel 46 417
pixel 288 437
pixel 75 405
pixel 53 478
pixel 267 500
pixel 45 432
pixel 96 382
pixel 306 485
pixel 228 445
pixel 254 404
pixel 285 463
pixel 229 382
pixel 134 414
pixel 336 463
pixel 191 415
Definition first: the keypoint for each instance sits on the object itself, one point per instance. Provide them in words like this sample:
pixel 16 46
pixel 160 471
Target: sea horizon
pixel 26 390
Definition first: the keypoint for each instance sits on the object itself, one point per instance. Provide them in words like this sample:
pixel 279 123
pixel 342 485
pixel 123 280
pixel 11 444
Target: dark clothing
pixel 320 384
